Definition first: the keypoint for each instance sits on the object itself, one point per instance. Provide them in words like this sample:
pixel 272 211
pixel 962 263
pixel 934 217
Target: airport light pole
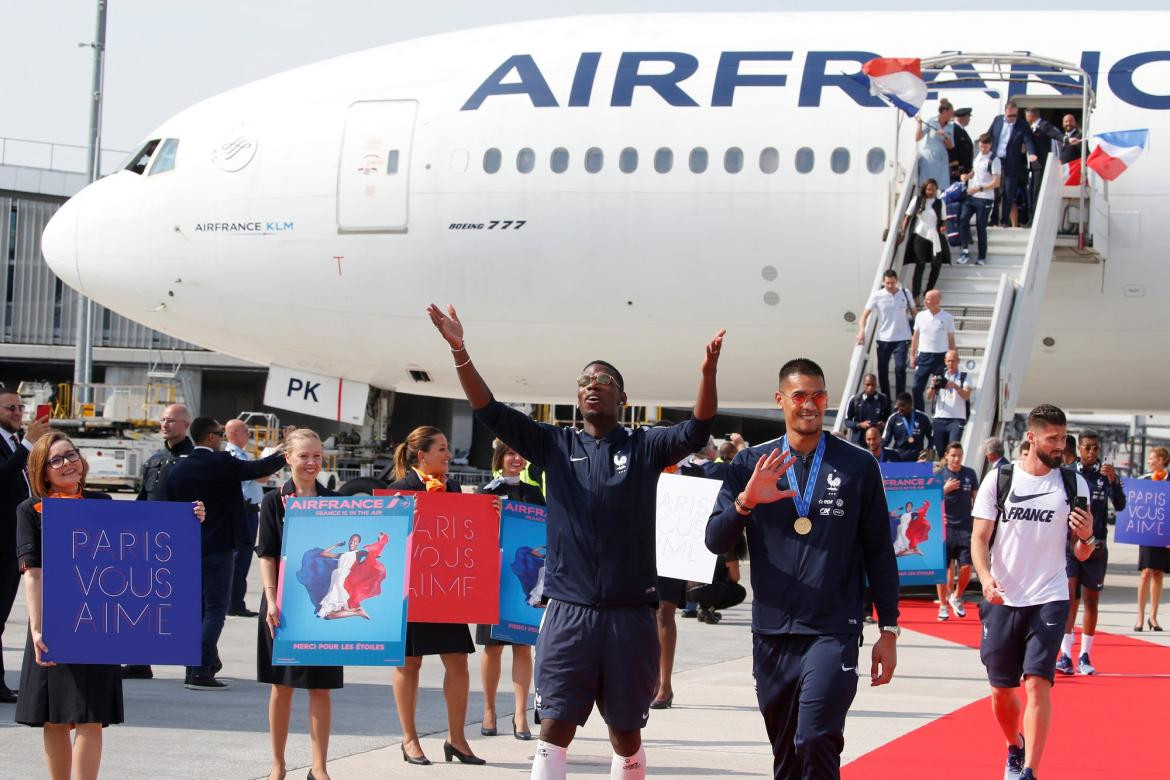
pixel 83 362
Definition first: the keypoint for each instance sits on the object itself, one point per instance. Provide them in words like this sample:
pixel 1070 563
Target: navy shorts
pixel 1089 573
pixel 1021 641
pixel 959 549
pixel 607 655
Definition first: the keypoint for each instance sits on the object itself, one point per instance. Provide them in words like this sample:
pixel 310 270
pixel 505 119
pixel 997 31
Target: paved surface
pixel 713 730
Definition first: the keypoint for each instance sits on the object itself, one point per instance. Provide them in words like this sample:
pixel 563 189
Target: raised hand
pixel 711 356
pixel 37 428
pixel 762 487
pixel 448 325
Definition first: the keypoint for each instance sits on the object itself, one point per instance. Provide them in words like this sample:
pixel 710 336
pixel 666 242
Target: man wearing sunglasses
pixel 14 449
pixel 599 640
pixel 815 513
pixel 214 477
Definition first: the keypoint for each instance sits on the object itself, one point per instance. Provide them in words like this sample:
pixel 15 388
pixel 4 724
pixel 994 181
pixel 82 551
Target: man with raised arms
pixel 1018 548
pixel 817 528
pixel 599 640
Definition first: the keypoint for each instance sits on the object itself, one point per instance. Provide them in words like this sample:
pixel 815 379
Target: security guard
pixel 817 529
pixel 599 641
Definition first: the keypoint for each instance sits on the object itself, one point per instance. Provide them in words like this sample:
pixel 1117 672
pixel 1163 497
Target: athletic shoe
pixel 201 683
pixel 958 607
pixel 1064 664
pixel 981 261
pixel 1014 769
pixel 942 612
pixel 1027 775
pixel 964 256
pixel 1085 666
pixel 690 613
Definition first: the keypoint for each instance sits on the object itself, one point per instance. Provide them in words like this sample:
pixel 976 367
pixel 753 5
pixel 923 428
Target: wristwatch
pixel 895 630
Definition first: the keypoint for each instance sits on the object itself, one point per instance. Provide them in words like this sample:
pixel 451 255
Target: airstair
pixel 996 306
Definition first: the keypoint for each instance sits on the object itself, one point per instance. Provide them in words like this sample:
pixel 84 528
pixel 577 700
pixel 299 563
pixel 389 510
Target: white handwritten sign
pixel 684 505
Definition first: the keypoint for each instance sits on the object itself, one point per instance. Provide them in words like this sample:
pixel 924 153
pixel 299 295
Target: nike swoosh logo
pixel 577 459
pixel 845 668
pixel 1017 499
pixel 1049 624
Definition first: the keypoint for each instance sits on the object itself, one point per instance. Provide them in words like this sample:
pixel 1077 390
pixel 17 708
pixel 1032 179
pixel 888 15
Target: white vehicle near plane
pixel 621 187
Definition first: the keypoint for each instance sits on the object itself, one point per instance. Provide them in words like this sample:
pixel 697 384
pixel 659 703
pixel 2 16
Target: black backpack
pixel 1003 486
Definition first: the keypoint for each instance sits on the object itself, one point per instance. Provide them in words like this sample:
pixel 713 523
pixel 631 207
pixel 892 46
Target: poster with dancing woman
pixel 523 535
pixel 915 499
pixel 342 581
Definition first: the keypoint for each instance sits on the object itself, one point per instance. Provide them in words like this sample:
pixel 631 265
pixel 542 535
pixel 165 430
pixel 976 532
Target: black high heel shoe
pixel 485 731
pixel 521 735
pixel 416 760
pixel 1153 626
pixel 450 752
pixel 1139 628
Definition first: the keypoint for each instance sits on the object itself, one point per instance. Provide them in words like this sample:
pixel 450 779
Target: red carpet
pixel 1103 726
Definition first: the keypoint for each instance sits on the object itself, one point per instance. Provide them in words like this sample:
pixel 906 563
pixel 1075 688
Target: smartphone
pixel 43 410
pixel 1081 503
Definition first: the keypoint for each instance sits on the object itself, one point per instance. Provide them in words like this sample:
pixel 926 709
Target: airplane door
pixel 373 174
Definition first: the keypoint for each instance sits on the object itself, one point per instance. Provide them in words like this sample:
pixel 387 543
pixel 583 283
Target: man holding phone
pixel 1018 548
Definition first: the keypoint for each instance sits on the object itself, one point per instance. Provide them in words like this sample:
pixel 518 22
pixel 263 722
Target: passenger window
pixel 165 161
pixel 839 160
pixel 594 159
pixel 140 159
pixel 733 160
pixel 769 160
pixel 392 162
pixel 491 160
pixel 559 160
pixel 663 160
pixel 804 160
pixel 525 160
pixel 628 160
pixel 875 161
pixel 698 161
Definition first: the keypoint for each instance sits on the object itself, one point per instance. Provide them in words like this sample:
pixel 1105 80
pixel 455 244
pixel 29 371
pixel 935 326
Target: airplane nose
pixel 59 244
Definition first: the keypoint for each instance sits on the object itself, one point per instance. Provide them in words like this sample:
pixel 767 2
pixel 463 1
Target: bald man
pixel 237 434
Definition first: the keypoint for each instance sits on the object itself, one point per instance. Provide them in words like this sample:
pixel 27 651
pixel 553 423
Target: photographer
pixel 950 392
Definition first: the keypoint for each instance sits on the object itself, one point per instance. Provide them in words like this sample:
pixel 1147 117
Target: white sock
pixel 1066 644
pixel 550 762
pixel 628 767
pixel 1086 643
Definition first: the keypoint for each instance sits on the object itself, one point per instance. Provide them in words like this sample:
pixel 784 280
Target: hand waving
pixel 762 487
pixel 711 356
pixel 449 326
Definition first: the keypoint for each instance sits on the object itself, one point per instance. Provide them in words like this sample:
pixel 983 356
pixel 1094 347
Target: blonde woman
pixel 72 703
pixel 304 453
pixel 1153 562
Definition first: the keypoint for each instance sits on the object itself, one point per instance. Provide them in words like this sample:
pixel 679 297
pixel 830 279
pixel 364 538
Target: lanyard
pixel 804 500
pixel 908 424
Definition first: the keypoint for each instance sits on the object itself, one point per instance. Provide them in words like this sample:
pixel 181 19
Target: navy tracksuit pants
pixel 805 685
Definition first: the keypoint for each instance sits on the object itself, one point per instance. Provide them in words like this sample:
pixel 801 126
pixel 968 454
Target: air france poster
pixel 523 536
pixel 914 497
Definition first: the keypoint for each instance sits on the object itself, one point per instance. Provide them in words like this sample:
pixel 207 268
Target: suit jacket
pixel 13 490
pixel 1044 134
pixel 1015 163
pixel 214 478
pixel 1069 152
pixel 962 156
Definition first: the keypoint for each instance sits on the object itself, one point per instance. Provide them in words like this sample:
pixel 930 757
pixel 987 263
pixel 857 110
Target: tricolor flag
pixel 898 80
pixel 1117 151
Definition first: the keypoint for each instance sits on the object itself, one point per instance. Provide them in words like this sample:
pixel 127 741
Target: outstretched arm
pixel 707 403
pixel 451 329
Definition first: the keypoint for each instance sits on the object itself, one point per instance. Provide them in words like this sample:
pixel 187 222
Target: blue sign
pixel 1144 519
pixel 342 586
pixel 523 535
pixel 914 496
pixel 121 582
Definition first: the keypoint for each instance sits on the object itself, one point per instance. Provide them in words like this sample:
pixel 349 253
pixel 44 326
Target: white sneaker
pixel 964 256
pixel 958 607
pixel 942 612
pixel 981 261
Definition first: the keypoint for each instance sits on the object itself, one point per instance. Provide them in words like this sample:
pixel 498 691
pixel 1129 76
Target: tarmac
pixel 713 730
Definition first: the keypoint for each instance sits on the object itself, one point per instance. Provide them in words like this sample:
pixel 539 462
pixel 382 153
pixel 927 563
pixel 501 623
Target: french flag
pixel 1115 152
pixel 898 80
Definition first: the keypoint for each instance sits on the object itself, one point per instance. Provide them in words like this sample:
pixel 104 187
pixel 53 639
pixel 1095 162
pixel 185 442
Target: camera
pixel 938 382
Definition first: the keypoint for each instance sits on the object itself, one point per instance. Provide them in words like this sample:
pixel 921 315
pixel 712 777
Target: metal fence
pixel 55 157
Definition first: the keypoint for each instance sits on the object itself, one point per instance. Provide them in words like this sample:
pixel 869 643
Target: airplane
pixel 615 187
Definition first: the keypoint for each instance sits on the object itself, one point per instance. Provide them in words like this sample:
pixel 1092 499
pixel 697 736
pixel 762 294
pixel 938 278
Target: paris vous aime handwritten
pixel 124 582
pixel 443 552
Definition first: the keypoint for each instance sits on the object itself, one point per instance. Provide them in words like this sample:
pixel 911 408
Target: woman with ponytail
pixel 421 464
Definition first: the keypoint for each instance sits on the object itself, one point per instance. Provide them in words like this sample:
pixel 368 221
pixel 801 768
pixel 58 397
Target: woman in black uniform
pixel 61 698
pixel 304 453
pixel 509 465
pixel 420 464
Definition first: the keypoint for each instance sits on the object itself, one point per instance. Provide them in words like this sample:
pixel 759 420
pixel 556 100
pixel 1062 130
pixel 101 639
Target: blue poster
pixel 1144 519
pixel 342 587
pixel 121 582
pixel 523 535
pixel 914 496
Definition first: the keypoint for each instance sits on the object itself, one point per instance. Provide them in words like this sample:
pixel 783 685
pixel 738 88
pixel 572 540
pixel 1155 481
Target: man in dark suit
pixel 14 449
pixel 1070 144
pixel 962 156
pixel 214 478
pixel 1010 139
pixel 1043 134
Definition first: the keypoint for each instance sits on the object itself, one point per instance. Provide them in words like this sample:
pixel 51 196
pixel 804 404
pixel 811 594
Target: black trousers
pixel 718 595
pixel 805 685
pixel 9 584
pixel 244 554
pixel 923 253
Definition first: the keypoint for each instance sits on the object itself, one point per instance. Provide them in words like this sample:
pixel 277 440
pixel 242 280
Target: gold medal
pixel 802 526
pixel 909 439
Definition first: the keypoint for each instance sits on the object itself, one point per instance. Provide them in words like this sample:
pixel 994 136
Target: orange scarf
pixel 1159 475
pixel 433 484
pixel 54 494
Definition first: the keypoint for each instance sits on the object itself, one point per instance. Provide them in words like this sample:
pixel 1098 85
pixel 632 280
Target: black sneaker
pixel 690 613
pixel 243 612
pixel 1015 762
pixel 137 672
pixel 200 683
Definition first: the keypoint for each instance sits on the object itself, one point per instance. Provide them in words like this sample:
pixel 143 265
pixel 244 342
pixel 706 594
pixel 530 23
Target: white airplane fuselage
pixel 301 230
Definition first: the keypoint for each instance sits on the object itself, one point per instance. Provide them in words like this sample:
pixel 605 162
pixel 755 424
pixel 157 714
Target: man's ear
pixel 778 396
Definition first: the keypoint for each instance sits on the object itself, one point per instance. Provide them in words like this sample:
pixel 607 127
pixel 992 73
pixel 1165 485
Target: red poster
pixel 453 558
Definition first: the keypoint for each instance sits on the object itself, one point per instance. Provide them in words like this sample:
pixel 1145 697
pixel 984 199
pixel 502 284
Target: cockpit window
pixel 165 160
pixel 140 159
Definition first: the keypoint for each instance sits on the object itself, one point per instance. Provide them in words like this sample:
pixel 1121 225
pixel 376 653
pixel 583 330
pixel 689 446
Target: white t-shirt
pixel 1027 557
pixel 984 170
pixel 948 404
pixel 933 329
pixel 893 322
pixel 926 225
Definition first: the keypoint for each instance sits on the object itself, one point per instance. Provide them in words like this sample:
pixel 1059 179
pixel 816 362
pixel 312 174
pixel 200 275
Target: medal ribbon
pixel 909 423
pixel 804 500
